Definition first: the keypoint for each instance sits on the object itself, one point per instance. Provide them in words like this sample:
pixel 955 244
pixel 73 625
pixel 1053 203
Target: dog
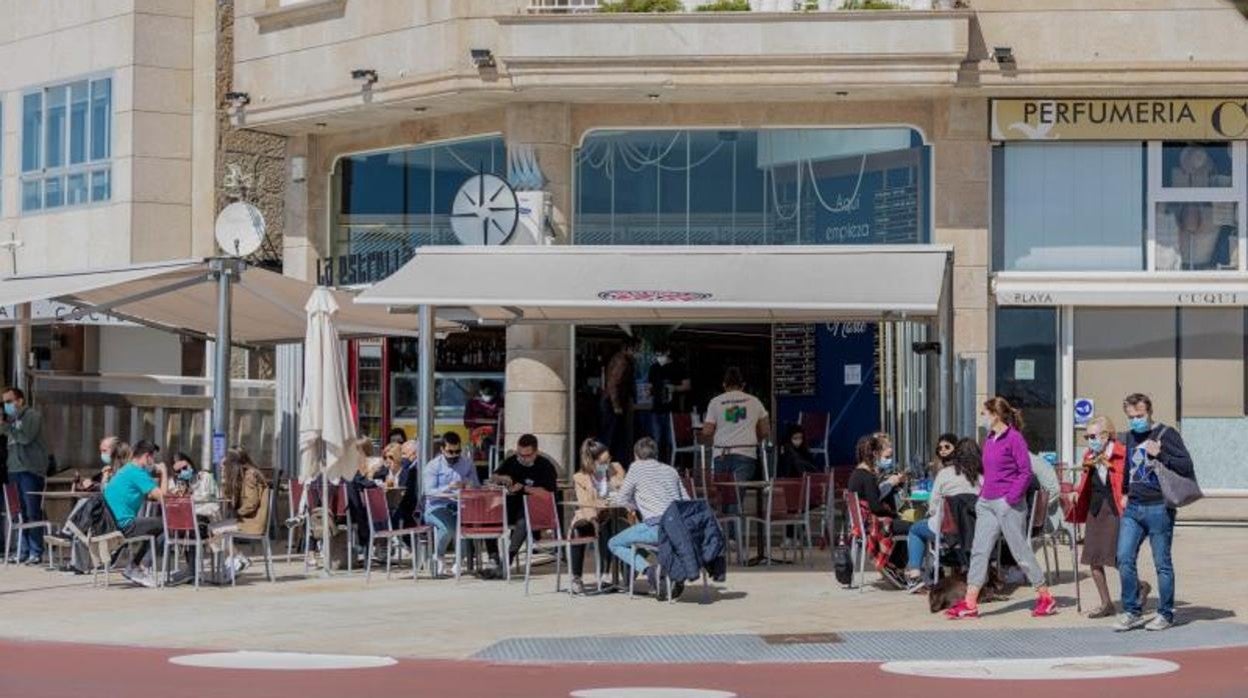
pixel 952 588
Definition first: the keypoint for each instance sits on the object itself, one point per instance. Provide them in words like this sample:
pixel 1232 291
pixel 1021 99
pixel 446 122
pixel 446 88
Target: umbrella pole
pixel 325 513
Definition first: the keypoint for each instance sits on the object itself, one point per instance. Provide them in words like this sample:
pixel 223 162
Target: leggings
pixel 583 529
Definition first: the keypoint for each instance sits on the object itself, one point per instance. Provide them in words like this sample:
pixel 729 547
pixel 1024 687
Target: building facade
pixel 1038 143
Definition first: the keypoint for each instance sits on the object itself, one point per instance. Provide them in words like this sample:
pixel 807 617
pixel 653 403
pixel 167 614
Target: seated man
pixel 140 480
pixel 448 472
pixel 409 457
pixel 524 468
pixel 649 487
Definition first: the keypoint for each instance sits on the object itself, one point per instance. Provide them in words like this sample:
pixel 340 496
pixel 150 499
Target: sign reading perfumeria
pixel 1216 119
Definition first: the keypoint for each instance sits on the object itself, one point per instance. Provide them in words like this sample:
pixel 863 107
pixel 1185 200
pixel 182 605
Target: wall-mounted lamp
pixel 368 76
pixel 653 96
pixel 1003 54
pixel 238 100
pixel 482 58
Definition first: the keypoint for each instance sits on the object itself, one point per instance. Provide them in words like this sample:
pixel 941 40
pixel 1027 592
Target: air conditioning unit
pixel 534 212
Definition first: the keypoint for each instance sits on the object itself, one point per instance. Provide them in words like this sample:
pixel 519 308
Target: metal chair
pixel 818 503
pixel 380 528
pixel 297 516
pixel 482 516
pixel 857 534
pixel 784 506
pixel 816 427
pixel 541 516
pixel 262 538
pixel 948 528
pixel 1039 528
pixel 721 494
pixel 15 522
pixel 181 531
pixel 684 440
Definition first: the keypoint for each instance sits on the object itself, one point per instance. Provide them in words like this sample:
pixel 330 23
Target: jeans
pixel 442 520
pixel 1156 522
pixel 32 510
pixel 660 429
pixel 621 544
pixel 617 430
pixel 742 469
pixel 917 539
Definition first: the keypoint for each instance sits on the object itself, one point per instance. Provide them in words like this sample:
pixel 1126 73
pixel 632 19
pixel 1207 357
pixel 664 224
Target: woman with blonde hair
pixel 1101 498
pixel 598 472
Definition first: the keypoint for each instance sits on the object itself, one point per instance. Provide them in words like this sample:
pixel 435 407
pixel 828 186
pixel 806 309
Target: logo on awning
pixel 653 296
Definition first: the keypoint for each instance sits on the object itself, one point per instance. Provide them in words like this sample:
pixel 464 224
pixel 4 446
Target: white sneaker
pixel 140 577
pixel 1159 623
pixel 1128 621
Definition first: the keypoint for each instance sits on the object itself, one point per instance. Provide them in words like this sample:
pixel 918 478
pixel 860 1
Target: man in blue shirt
pixel 139 481
pixel 449 472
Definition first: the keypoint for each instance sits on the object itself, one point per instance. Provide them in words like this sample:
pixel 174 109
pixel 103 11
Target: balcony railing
pixel 581 6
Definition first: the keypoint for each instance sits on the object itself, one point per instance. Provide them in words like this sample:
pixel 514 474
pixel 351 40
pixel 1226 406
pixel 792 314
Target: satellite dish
pixel 240 229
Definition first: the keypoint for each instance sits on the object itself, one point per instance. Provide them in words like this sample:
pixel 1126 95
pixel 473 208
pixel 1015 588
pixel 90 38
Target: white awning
pixel 1122 289
pixel 180 296
pixel 661 284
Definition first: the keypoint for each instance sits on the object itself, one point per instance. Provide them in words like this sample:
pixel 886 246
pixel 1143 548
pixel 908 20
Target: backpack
pixel 843 563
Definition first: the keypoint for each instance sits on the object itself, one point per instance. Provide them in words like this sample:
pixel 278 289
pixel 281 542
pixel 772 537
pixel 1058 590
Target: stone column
pixel 539 370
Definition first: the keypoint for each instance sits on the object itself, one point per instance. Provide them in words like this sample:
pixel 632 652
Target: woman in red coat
pixel 1099 504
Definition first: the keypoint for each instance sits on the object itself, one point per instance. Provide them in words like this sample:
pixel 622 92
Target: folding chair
pixel 181 531
pixel 722 494
pixel 818 503
pixel 684 441
pixel 541 516
pixel 857 534
pixel 816 427
pixel 784 505
pixel 482 516
pixel 948 528
pixel 658 569
pixel 15 522
pixel 380 528
pixel 1039 528
pixel 262 538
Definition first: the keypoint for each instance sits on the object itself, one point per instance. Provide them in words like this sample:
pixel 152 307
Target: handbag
pixel 1178 491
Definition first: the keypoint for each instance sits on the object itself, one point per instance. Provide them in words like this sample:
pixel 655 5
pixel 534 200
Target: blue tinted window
pixel 1026 370
pixel 32 131
pixel 736 186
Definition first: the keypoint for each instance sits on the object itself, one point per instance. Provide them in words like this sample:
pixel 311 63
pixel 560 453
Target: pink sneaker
pixel 960 611
pixel 1045 606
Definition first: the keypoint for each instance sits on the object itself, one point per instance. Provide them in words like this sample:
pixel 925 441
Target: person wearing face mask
pixel 442 476
pixel 27 465
pixel 525 468
pixel 1146 514
pixel 795 457
pixel 199 484
pixel 1101 498
pixel 1001 511
pixel 879 509
pixel 138 481
pixel 669 382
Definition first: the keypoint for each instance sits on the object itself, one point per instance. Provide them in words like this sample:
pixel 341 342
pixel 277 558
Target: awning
pixel 1122 289
pixel 178 296
pixel 662 284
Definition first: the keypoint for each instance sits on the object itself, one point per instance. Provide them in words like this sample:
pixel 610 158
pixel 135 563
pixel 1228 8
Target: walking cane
pixel 1074 551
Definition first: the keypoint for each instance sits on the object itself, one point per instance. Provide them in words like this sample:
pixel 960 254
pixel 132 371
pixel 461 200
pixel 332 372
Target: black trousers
pixel 146 526
pixel 583 529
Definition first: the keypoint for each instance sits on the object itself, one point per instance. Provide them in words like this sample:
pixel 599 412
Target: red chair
pixel 541 517
pixel 338 509
pixel 816 427
pixel 691 489
pixel 379 528
pixel 723 494
pixel 857 534
pixel 785 505
pixel 948 529
pixel 684 440
pixel 15 523
pixel 181 531
pixel 482 516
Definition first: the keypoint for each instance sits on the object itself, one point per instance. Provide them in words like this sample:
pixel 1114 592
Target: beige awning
pixel 181 296
pixel 1122 289
pixel 661 284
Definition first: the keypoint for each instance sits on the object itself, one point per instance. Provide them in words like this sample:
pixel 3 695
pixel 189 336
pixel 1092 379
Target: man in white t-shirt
pixel 735 421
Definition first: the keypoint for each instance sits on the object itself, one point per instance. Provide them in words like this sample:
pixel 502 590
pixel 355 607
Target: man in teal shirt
pixel 28 466
pixel 140 480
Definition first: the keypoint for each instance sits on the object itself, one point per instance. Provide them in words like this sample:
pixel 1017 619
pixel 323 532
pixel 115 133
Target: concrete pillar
pixel 539 357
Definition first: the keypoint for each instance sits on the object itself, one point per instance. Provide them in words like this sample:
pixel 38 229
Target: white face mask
pixel 663 359
pixel 487 398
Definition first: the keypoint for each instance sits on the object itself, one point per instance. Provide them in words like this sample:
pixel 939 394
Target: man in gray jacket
pixel 28 467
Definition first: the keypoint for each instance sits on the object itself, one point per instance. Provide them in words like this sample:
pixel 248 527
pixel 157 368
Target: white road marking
pixel 652 692
pixel 1056 669
pixel 280 661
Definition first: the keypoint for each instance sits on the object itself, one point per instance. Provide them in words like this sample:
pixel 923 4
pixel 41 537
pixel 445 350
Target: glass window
pixel 1192 165
pixel 76 189
pixel 54 133
pixel 101 185
pixel 78 93
pixel 53 192
pixel 1069 206
pixel 1026 370
pixel 32 131
pixel 1197 235
pixel 1211 368
pixel 32 194
pixel 101 118
pixel 774 186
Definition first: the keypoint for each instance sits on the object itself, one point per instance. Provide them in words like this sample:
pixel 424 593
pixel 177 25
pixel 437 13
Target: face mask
pixel 885 464
pixel 663 359
pixel 1138 425
pixel 106 458
pixel 1096 445
pixel 10 409
pixel 452 460
pixel 487 398
pixel 186 475
pixel 797 443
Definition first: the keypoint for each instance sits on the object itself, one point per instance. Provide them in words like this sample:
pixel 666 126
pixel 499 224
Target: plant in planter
pixel 726 6
pixel 642 6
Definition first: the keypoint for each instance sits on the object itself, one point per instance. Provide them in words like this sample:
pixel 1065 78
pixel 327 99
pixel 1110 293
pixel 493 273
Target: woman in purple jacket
pixel 1002 509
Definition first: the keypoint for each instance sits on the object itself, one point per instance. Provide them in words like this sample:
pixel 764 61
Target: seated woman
pixel 246 490
pixel 200 485
pixel 961 475
pixel 391 467
pixel 795 457
pixel 879 511
pixel 590 518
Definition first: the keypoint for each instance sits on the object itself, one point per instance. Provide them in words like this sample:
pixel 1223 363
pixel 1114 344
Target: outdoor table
pixel 612 562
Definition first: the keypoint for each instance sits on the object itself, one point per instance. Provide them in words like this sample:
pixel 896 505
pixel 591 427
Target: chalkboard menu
pixel 793 359
pixel 896 214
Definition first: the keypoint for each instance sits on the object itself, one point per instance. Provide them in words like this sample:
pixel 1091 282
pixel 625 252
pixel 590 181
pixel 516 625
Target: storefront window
pixel 1026 370
pixel 1197 236
pixel 1187 165
pixel 1069 206
pixel 746 187
pixel 390 202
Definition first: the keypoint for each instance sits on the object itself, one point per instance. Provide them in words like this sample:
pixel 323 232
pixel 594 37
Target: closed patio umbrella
pixel 326 426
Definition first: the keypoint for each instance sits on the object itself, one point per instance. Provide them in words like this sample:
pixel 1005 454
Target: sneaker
pixel 578 586
pixel 961 611
pixel 1127 622
pixel 915 584
pixel 892 576
pixel 33 562
pixel 1158 623
pixel 1045 606
pixel 142 578
pixel 180 577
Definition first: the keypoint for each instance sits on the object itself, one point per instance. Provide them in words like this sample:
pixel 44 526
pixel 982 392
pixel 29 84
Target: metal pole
pixel 425 401
pixel 21 346
pixel 224 269
pixel 946 356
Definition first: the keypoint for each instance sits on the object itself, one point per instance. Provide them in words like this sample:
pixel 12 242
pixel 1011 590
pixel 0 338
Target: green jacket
pixel 27 451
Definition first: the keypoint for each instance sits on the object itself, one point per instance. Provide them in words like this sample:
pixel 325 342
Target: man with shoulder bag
pixel 1161 478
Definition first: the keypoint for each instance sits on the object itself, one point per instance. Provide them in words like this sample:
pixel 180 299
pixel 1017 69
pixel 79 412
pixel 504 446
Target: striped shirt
pixel 651 487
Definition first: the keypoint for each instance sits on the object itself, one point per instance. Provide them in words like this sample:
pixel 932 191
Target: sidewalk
pixel 445 619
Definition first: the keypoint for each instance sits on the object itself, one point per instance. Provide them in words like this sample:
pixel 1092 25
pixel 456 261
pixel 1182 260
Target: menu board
pixel 896 213
pixel 793 359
